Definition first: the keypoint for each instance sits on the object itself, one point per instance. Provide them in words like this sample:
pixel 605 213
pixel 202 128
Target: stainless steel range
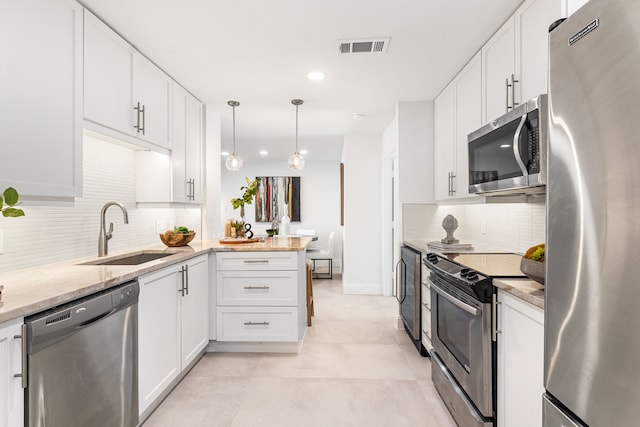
pixel 462 331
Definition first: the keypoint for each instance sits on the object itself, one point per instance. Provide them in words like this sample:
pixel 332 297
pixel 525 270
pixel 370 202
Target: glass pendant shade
pixel 296 161
pixel 233 162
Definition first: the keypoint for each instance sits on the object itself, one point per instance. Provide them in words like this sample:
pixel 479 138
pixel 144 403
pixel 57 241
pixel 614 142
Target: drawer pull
pixel 256 261
pixel 264 288
pixel 256 323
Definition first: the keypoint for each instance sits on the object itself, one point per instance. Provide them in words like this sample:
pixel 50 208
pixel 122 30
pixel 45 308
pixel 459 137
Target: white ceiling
pixel 259 53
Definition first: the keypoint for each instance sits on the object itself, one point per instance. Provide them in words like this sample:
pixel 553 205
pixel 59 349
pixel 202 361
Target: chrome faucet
pixel 103 247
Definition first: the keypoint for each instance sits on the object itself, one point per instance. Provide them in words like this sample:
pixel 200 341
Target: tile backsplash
pixel 506 226
pixel 49 234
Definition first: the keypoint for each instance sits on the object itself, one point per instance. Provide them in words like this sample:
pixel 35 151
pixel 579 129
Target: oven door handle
pixel 453 300
pixel 401 288
pixel 516 146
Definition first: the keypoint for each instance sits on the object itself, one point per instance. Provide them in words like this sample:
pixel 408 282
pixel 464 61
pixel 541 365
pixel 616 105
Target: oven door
pixel 461 337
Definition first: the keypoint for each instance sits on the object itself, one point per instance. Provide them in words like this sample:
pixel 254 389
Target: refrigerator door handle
pixel 516 146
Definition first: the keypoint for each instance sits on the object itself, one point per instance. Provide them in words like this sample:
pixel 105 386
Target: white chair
pixel 323 255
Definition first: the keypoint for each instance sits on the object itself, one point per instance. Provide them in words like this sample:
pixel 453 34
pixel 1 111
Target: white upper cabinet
pixel 573 5
pixel 108 60
pixel 123 90
pixel 532 21
pixel 498 63
pixel 151 102
pixel 515 59
pixel 41 92
pixel 458 113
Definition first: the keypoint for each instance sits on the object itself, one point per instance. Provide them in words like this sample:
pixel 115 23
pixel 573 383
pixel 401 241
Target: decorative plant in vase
pixel 10 199
pixel 250 190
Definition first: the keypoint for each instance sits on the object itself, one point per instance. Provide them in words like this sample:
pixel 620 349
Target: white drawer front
pixel 267 324
pixel 274 288
pixel 426 321
pixel 285 260
pixel 425 273
pixel 426 295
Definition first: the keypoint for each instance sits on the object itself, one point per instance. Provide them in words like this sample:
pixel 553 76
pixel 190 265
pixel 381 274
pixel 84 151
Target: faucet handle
pixel 110 232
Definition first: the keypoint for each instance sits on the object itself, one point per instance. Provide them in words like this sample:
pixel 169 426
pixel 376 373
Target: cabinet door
pixel 194 148
pixel 445 130
pixel 180 185
pixel 532 53
pixel 468 108
pixel 108 60
pixel 573 5
pixel 520 363
pixel 11 392
pixel 498 63
pixel 158 334
pixel 152 89
pixel 41 93
pixel 195 310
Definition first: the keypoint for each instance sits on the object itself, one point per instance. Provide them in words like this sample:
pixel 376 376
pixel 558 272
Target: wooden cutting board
pixel 236 240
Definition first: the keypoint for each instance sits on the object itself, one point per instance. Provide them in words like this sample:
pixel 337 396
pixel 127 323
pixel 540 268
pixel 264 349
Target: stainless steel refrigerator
pixel 592 306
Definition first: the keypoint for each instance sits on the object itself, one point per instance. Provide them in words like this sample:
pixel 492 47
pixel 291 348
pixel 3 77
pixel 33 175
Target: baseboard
pixel 361 289
pixel 254 347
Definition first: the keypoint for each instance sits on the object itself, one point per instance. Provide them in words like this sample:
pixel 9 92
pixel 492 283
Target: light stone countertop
pixel 33 290
pixel 525 289
pixel 423 246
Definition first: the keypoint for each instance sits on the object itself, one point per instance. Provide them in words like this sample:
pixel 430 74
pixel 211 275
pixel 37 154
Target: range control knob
pixel 464 272
pixel 472 275
pixel 432 257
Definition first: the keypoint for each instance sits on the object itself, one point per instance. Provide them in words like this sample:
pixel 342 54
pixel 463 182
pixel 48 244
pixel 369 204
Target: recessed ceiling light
pixel 263 152
pixel 357 116
pixel 304 152
pixel 316 76
pixel 224 153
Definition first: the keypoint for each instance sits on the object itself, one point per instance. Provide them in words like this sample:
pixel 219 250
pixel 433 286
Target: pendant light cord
pixel 297 128
pixel 234 130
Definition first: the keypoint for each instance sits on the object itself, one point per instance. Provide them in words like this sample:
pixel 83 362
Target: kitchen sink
pixel 132 259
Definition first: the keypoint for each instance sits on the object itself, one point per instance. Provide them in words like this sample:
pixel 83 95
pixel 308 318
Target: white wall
pixel 363 218
pixel 49 234
pixel 319 197
pixel 511 227
pixel 211 211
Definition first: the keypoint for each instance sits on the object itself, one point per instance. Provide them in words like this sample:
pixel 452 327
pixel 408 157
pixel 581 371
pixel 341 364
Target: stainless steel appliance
pixel 509 155
pixel 82 362
pixel 463 355
pixel 408 293
pixel 592 345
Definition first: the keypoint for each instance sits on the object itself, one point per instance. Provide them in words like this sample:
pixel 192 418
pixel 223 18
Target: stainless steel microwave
pixel 509 155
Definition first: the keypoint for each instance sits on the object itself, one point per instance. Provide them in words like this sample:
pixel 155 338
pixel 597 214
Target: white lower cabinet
pixel 172 325
pixel 426 309
pixel 11 392
pixel 520 362
pixel 260 296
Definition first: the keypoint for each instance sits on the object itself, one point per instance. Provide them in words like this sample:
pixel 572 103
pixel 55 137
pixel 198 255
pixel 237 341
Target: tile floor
pixel 355 369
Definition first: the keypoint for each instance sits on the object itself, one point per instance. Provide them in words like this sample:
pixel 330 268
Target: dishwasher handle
pixel 52 326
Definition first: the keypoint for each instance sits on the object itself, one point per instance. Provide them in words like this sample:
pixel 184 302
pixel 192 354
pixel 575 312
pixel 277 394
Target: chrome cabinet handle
pixel 453 300
pixel 192 189
pixel 186 274
pixel 144 120
pixel 453 187
pixel 23 356
pixel 494 318
pixel 516 146
pixel 256 323
pixel 513 91
pixel 182 287
pixel 506 92
pixel 256 261
pixel 264 288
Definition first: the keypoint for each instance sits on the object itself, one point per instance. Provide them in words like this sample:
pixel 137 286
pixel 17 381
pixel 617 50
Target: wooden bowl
pixel 177 239
pixel 534 270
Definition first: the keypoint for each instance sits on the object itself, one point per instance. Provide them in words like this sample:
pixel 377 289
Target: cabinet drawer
pixel 272 288
pixel 426 295
pixel 426 321
pixel 425 273
pixel 266 324
pixel 285 260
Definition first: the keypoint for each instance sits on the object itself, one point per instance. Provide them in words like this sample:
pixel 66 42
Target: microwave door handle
pixel 466 307
pixel 516 146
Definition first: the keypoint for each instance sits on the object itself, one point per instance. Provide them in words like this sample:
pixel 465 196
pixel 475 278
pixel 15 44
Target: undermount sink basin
pixel 133 259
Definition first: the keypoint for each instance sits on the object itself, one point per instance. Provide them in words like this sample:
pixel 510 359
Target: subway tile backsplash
pixel 49 234
pixel 507 226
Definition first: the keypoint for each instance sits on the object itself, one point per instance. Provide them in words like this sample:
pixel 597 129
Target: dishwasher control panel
pixel 125 294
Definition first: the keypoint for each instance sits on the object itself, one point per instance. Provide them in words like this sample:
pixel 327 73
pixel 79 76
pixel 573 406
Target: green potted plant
pixel 10 199
pixel 250 190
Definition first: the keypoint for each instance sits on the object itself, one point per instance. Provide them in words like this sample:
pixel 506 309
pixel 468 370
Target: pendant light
pixel 233 162
pixel 296 161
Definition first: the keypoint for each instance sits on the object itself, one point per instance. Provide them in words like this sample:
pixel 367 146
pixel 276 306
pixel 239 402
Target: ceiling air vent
pixel 372 45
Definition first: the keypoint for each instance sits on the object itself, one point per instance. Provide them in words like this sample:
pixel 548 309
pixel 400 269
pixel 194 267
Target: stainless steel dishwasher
pixel 82 362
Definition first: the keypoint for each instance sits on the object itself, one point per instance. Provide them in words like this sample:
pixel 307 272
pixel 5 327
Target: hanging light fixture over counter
pixel 296 161
pixel 233 162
